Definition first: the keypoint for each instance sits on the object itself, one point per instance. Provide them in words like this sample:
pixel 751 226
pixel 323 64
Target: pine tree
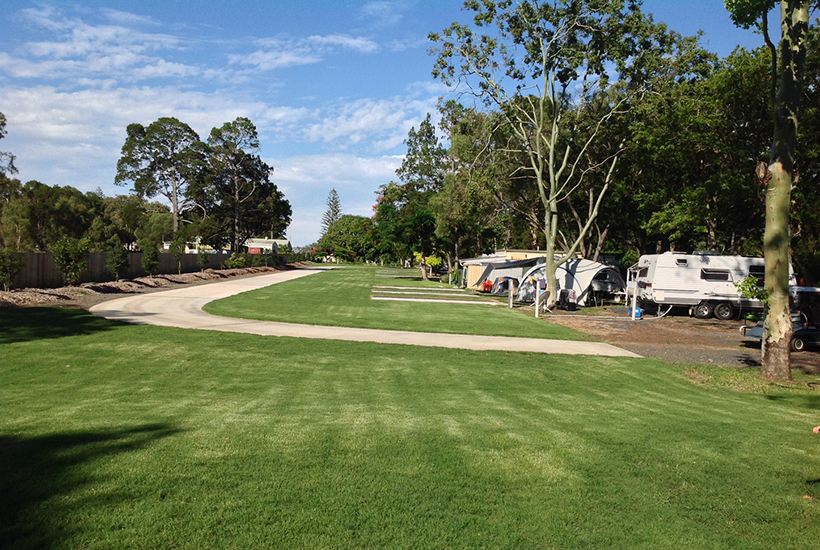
pixel 333 212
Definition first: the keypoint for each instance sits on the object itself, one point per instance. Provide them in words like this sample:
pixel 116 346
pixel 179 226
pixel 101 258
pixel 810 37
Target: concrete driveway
pixel 183 308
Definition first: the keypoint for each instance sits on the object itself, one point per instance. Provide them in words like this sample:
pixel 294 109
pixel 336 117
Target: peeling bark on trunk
pixel 777 328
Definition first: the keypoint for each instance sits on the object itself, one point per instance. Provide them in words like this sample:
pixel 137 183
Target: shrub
pixel 150 259
pixel 238 260
pixel 177 249
pixel 71 257
pixel 203 258
pixel 10 266
pixel 117 262
pixel 261 260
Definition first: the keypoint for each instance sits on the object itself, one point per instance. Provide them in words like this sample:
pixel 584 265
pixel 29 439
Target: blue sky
pixel 333 87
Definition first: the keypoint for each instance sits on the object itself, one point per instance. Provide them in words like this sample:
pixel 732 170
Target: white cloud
pixel 80 50
pixel 277 53
pixel 48 17
pixel 385 14
pixel 126 18
pixel 337 169
pixel 306 181
pixel 359 43
pixel 387 121
pixel 270 60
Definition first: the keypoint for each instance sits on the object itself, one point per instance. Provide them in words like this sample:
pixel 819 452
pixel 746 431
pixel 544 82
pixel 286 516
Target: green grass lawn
pixel 117 436
pixel 341 297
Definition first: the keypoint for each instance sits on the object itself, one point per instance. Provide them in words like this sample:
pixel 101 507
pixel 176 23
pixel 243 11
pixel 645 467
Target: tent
pixel 506 270
pixel 590 281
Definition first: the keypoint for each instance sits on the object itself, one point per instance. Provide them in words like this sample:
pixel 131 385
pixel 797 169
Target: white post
pixel 537 297
pixel 634 299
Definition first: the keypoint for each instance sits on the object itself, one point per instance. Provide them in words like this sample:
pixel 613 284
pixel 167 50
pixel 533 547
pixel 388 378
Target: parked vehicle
pixel 704 282
pixel 805 300
pixel 804 334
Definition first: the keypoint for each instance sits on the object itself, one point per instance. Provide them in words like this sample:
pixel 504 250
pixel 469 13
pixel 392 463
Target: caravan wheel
pixel 724 311
pixel 704 310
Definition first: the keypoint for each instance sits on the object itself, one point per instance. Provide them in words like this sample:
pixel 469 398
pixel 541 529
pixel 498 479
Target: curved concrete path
pixel 182 308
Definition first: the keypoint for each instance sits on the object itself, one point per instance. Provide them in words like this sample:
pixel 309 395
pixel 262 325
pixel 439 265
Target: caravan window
pixel 682 262
pixel 759 273
pixel 643 272
pixel 714 274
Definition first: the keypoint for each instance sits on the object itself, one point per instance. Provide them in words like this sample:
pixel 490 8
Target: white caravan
pixel 703 282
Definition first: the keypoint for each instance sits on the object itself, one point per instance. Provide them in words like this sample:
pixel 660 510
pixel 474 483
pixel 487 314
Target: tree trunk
pixel 777 328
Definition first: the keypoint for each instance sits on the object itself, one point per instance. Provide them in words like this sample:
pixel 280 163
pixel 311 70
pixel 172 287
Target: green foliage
pixel 6 159
pixel 239 260
pixel 546 70
pixel 237 200
pixel 750 288
pixel 432 262
pixel 177 250
pixel 333 212
pixel 203 258
pixel 425 164
pixel 163 158
pixel 698 190
pixel 71 257
pixel 155 228
pixel 748 13
pixel 150 258
pixel 350 238
pixel 10 266
pixel 117 262
pixel 244 259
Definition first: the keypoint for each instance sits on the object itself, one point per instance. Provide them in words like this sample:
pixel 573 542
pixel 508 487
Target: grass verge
pixel 341 297
pixel 115 436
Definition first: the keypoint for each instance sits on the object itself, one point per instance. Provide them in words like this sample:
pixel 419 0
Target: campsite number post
pixel 634 287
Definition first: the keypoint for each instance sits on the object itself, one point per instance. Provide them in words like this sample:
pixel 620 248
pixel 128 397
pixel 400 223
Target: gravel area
pixel 678 338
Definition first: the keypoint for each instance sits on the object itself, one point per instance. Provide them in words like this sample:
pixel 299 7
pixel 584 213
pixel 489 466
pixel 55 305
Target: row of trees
pixel 219 188
pixel 591 128
pixel 219 192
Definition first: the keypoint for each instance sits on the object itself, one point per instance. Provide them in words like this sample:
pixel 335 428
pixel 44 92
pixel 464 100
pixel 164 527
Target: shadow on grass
pixel 36 323
pixel 805 401
pixel 39 474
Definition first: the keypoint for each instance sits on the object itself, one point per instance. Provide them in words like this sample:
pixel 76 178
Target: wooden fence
pixel 40 271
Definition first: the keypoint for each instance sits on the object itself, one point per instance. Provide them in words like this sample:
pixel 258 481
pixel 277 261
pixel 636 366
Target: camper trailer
pixel 591 281
pixel 703 282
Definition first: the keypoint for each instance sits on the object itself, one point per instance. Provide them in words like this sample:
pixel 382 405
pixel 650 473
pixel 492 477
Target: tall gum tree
pixel 786 86
pixel 242 201
pixel 6 158
pixel 422 172
pixel 162 158
pixel 539 61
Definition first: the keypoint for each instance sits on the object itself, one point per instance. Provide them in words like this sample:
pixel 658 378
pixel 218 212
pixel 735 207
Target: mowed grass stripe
pixel 341 297
pixel 116 436
pixel 434 300
pixel 434 289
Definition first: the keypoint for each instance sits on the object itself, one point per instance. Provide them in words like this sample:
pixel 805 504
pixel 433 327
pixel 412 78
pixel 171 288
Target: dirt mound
pixel 88 294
